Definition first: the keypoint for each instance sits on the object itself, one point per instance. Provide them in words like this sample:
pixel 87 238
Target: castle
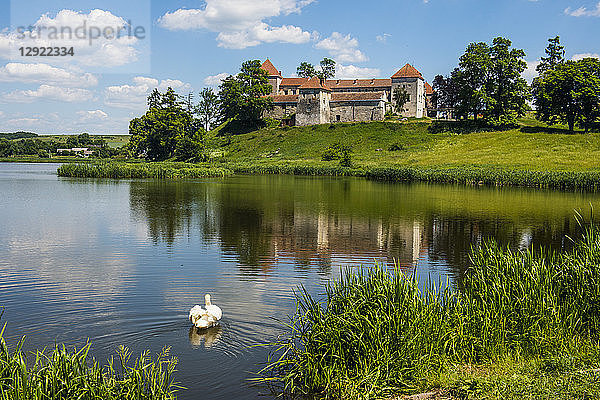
pixel 308 101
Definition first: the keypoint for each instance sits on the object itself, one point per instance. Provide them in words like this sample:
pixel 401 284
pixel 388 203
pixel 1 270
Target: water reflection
pixel 317 223
pixel 206 337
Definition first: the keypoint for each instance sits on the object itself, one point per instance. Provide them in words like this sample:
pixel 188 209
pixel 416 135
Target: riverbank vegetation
pixel 518 325
pixel 116 170
pixel 70 374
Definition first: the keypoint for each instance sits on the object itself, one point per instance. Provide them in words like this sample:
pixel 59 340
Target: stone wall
pixel 352 111
pixel 415 87
pixel 313 107
pixel 281 110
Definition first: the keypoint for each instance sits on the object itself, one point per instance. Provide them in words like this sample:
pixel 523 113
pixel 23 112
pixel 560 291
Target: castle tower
pixel 412 81
pixel 313 103
pixel 274 75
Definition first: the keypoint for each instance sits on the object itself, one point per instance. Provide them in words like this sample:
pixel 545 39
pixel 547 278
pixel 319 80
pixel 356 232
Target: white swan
pixel 205 318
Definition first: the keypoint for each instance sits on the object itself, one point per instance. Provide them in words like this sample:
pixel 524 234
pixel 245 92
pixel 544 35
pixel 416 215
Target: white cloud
pixel 342 48
pixel 383 37
pixel 65 30
pixel 215 80
pixel 530 72
pixel 581 56
pixel 92 116
pixel 133 97
pixel 48 92
pixel 354 72
pixel 240 23
pixel 584 11
pixel 46 74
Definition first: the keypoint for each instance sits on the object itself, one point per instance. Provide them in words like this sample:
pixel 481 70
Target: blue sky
pixel 191 44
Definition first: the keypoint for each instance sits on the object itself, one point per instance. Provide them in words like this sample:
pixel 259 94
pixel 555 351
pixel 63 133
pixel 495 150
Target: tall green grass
pixel 489 176
pixel 377 332
pixel 70 374
pixel 116 170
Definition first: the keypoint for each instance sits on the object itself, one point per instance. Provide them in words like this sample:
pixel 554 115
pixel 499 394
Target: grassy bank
pixel 116 170
pixel 71 374
pixel 522 325
pixel 529 156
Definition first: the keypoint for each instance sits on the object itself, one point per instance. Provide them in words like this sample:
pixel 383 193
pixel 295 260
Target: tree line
pixel 25 143
pixel 488 84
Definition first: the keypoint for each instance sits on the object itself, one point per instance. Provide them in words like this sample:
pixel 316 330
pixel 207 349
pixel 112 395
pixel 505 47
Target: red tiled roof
pixel 284 98
pixel 408 71
pixel 351 83
pixel 428 89
pixel 293 81
pixel 360 96
pixel 270 68
pixel 314 83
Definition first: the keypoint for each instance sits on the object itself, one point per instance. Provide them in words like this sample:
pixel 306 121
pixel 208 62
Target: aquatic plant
pixel 70 374
pixel 378 332
pixel 117 170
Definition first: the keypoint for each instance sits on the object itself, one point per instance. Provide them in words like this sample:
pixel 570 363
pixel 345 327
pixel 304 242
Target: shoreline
pixel 469 176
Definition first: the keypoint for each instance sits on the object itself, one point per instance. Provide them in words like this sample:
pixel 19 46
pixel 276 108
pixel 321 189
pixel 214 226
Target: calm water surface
pixel 122 262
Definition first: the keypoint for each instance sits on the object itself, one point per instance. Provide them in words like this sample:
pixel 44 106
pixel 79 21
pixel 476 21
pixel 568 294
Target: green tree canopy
pixel 168 129
pixel 326 69
pixel 569 92
pixel 243 97
pixel 401 97
pixel 488 81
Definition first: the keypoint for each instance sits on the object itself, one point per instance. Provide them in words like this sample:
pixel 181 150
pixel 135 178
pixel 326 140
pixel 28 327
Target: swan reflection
pixel 209 336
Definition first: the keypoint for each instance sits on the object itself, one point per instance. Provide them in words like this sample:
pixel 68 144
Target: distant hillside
pixel 18 135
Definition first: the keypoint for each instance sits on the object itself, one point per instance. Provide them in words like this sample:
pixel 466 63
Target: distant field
pixel 112 140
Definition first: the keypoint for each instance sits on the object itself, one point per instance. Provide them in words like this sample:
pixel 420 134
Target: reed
pixel 71 374
pixel 116 170
pixel 377 332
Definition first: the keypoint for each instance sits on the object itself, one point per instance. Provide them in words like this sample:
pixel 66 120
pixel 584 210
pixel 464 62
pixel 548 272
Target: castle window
pixel 337 118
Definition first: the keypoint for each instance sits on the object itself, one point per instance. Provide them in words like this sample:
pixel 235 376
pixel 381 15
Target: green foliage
pixel 379 332
pixel 340 152
pixel 401 97
pixel 18 135
pixel 488 82
pixel 119 170
pixel 555 53
pixel 327 69
pixel 70 374
pixel 306 70
pixel 168 129
pixel 209 109
pixel 569 92
pixel 243 97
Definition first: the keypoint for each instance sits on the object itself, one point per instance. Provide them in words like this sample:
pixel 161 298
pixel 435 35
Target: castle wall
pixel 313 107
pixel 415 87
pixel 357 111
pixel 281 110
pixel 274 81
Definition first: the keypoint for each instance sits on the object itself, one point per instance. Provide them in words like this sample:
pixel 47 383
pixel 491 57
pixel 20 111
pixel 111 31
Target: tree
pixel 488 81
pixel 569 92
pixel 327 69
pixel 243 97
pixel 306 70
pixel 208 108
pixel 401 97
pixel 507 91
pixel 471 78
pixel 167 130
pixel 555 53
pixel 445 91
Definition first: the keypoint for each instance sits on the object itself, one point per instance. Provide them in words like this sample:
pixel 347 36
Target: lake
pixel 122 262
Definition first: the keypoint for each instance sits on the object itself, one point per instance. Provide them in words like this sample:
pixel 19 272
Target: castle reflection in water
pixel 320 222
